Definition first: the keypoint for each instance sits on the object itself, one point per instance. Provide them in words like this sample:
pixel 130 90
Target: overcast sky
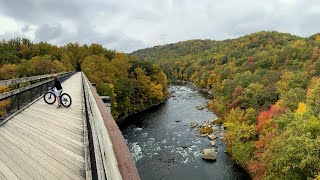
pixel 128 25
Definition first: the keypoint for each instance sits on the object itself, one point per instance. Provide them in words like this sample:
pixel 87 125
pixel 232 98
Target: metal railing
pixel 14 100
pixel 110 157
pixel 27 79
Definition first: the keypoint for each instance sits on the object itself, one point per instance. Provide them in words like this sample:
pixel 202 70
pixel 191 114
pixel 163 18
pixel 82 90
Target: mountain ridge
pixel 168 47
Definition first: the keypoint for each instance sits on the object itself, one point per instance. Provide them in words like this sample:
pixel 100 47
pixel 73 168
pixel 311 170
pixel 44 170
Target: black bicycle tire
pixel 44 97
pixel 65 94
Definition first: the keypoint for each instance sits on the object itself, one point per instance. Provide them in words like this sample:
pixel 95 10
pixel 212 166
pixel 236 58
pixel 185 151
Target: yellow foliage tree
pixel 66 61
pixel 121 63
pixel 156 91
pixel 8 71
pixel 299 44
pixel 313 93
pixel 96 69
pixel 58 66
pixel 283 85
pixel 302 108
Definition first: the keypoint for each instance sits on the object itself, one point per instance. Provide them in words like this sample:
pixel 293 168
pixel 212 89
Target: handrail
pixel 26 79
pixel 112 156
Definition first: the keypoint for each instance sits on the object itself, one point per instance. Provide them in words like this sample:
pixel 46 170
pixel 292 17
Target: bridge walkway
pixel 43 142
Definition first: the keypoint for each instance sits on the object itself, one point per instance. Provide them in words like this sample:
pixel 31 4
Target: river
pixel 164 146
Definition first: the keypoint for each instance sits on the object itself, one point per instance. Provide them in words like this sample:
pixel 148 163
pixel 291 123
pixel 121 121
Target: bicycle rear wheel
pixel 49 98
pixel 66 100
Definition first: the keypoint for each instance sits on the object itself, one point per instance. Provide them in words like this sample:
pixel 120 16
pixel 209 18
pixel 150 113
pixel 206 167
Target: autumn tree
pixel 313 94
pixel 8 71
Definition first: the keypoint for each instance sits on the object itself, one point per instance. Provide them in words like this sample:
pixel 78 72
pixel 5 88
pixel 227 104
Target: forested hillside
pixel 267 94
pixel 133 85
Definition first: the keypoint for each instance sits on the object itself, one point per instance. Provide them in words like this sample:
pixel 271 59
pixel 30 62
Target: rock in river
pixel 194 125
pixel 205 130
pixel 213 143
pixel 204 135
pixel 209 154
pixel 201 107
pixel 212 136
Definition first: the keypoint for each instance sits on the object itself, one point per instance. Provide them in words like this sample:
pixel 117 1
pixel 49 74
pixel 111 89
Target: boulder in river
pixel 212 136
pixel 213 143
pixel 216 121
pixel 221 135
pixel 201 107
pixel 206 124
pixel 209 154
pixel 204 135
pixel 215 128
pixel 205 130
pixel 194 125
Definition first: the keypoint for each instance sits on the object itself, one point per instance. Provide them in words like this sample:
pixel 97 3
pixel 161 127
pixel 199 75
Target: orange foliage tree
pixel 265 128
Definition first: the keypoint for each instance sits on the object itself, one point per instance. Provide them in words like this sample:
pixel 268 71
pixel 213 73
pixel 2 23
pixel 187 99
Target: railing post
pixel 107 101
pixel 94 85
pixel 18 101
pixel 41 90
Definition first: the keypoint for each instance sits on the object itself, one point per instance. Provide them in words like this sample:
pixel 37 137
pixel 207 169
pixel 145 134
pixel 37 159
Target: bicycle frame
pixel 52 91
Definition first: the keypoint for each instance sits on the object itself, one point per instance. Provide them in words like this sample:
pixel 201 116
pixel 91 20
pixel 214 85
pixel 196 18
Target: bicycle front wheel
pixel 66 100
pixel 49 98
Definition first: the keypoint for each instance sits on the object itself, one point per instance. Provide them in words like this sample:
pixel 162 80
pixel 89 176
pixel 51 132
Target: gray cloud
pixel 129 25
pixel 25 28
pixel 48 32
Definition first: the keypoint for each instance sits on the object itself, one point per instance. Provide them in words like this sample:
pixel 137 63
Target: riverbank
pixel 126 120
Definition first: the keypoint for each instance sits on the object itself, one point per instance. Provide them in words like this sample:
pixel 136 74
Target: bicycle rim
pixel 66 100
pixel 49 98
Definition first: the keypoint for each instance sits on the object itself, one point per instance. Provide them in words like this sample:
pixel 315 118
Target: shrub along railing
pixel 14 100
pixel 110 157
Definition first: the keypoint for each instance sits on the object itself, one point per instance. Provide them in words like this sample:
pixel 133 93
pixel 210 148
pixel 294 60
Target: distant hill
pixel 190 47
pixel 283 47
pixel 175 50
pixel 196 46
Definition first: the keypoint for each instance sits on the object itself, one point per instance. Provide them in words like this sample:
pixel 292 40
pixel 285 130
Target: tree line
pixel 266 87
pixel 133 85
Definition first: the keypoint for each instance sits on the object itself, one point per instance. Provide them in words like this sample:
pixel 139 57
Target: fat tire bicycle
pixel 50 98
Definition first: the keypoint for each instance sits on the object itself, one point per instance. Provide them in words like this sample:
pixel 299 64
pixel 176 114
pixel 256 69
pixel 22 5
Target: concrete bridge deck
pixel 43 142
